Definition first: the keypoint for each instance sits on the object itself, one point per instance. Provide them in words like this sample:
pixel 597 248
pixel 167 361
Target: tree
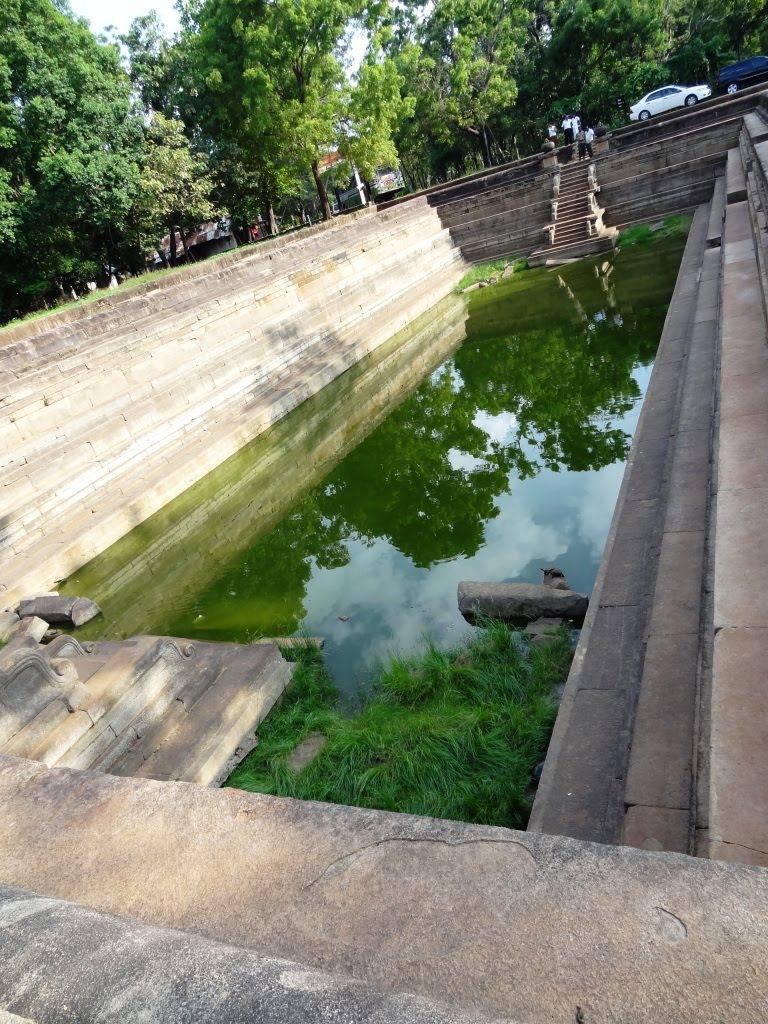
pixel 277 72
pixel 69 150
pixel 602 49
pixel 174 184
pixel 472 47
pixel 152 64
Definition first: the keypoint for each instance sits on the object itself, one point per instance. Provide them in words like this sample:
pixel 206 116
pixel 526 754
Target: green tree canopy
pixel 69 152
pixel 279 92
pixel 174 184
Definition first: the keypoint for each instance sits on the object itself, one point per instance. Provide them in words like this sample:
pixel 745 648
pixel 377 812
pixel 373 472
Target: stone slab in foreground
pixel 520 602
pixel 61 962
pixel 508 925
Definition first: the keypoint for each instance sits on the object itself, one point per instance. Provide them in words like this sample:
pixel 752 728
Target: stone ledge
pixel 511 925
pixel 58 955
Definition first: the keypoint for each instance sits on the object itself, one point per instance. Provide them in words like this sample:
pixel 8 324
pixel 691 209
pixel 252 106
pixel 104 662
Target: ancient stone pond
pixel 487 441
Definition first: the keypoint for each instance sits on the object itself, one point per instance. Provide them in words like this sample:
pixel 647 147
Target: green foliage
pixel 69 151
pixel 640 234
pixel 174 184
pixel 277 89
pixel 451 735
pixel 482 271
pixel 255 97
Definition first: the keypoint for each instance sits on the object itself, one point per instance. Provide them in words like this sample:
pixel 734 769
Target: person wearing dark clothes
pixel 582 143
pixel 568 130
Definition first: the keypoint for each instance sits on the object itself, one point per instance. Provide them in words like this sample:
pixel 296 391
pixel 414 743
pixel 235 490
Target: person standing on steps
pixel 552 133
pixel 589 137
pixel 582 143
pixel 568 130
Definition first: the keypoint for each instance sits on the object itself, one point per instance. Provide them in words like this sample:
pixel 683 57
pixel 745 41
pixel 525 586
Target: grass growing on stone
pixel 670 227
pixel 485 270
pixel 450 735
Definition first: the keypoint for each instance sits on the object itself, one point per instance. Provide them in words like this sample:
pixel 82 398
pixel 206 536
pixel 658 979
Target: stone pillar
pixel 549 160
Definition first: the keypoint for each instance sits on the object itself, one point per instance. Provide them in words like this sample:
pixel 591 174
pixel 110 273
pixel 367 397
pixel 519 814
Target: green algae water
pixel 484 443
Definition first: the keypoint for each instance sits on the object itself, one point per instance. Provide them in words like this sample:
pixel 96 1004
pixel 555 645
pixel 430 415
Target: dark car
pixel 743 74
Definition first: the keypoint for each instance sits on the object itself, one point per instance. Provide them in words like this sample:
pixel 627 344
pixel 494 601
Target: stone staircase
pixel 576 226
pixel 148 707
pixel 105 418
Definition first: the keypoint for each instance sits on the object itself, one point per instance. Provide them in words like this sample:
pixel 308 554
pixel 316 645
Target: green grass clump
pixel 642 233
pixel 450 735
pixel 485 270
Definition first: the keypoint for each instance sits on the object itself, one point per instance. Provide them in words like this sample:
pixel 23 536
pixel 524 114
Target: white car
pixel 667 98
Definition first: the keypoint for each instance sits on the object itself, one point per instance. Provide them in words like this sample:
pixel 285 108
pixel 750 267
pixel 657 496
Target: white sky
pixel 121 14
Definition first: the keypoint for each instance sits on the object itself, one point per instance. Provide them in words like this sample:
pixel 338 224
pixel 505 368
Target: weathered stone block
pixel 519 602
pixel 60 610
pixel 31 626
pixel 7 621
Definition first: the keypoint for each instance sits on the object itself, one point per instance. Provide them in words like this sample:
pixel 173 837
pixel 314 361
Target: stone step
pixel 511 200
pixel 735 184
pixel 738 805
pixel 208 742
pixel 186 393
pixel 756 126
pixel 49 734
pixel 121 690
pixel 585 247
pixel 582 788
pixel 186 295
pixel 191 315
pixel 151 298
pixel 191 668
pixel 661 782
pixel 184 709
pixel 716 214
pixel 35 405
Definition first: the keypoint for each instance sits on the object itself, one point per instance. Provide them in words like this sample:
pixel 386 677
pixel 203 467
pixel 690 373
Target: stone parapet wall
pixel 500 924
pixel 107 416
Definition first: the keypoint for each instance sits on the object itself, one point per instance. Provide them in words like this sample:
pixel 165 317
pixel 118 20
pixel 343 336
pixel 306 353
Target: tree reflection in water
pixel 455 480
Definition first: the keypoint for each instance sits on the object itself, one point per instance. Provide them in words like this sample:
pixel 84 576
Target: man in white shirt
pixel 588 137
pixel 568 129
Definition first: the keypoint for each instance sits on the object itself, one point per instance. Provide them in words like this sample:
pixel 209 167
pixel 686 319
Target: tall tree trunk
pixel 486 148
pixel 173 244
pixel 271 219
pixel 322 194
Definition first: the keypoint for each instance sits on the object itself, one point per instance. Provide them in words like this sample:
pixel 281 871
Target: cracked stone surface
pixel 507 925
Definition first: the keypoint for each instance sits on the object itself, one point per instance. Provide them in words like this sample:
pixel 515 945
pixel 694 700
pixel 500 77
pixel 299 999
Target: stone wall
pixel 111 410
